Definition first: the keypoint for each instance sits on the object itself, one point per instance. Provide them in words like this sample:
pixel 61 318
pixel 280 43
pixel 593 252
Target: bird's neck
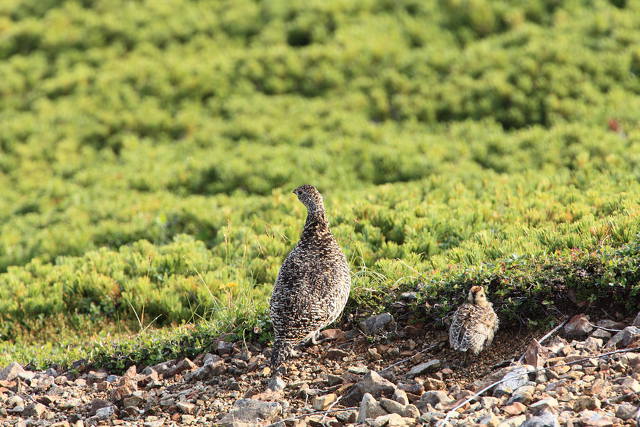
pixel 316 223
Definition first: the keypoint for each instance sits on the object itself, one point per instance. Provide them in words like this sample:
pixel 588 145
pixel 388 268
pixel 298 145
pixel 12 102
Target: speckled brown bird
pixel 313 284
pixel 474 324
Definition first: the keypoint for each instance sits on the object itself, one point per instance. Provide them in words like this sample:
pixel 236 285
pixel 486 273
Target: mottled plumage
pixel 474 323
pixel 313 284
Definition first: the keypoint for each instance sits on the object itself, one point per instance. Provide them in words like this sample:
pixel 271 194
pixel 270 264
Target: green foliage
pixel 148 150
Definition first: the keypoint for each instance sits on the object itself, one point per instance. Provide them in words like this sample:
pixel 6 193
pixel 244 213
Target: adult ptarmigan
pixel 313 284
pixel 474 324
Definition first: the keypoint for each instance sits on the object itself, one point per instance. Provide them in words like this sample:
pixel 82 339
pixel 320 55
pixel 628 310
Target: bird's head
pixel 310 197
pixel 477 296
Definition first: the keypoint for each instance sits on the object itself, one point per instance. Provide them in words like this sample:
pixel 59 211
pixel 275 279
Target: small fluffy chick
pixel 474 323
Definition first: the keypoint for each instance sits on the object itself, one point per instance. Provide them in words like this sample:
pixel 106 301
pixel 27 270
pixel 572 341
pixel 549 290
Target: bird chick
pixel 313 283
pixel 474 324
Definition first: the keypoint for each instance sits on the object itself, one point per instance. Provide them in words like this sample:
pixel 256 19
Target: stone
pixel 98 404
pixel 360 370
pixel 186 407
pixel 160 368
pixel 601 334
pixel 376 324
pixel 334 379
pixel 211 368
pixel 488 402
pixel 513 421
pixel 375 385
pixel 320 403
pixel 434 384
pixel 422 368
pixel 626 411
pixel 135 399
pixel 433 398
pixel 34 410
pixel 595 419
pixel 183 365
pixel 548 404
pixel 250 411
pixel 369 408
pixel 513 379
pixel 411 411
pixel 276 383
pixel 489 421
pixel 14 401
pixel 223 347
pixel 400 396
pixel 586 402
pixel 523 394
pixel 516 408
pixel 624 337
pixel 545 419
pixel 391 406
pixel 636 321
pixel 336 354
pixel 11 372
pixel 332 334
pixel 392 420
pixel 104 413
pixel 578 326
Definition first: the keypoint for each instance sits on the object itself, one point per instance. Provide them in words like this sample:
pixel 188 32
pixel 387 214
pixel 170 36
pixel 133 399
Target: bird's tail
pixel 281 350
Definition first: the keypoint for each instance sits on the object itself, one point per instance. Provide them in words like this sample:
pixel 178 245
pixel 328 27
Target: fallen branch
pixel 546 336
pixel 489 387
pixel 297 417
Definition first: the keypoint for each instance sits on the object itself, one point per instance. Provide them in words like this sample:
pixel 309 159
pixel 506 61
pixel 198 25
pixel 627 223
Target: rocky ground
pixel 377 373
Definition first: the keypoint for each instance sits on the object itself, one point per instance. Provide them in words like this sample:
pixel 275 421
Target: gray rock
pixel 545 419
pixel 392 420
pixel 135 399
pixel 250 411
pixel 513 421
pixel 160 368
pixel 626 411
pixel 514 379
pixel 601 334
pixel 424 367
pixel 375 385
pixel 11 372
pixel 548 404
pixel 210 369
pixel 522 394
pixel 433 398
pixel 636 321
pixel 276 383
pixel 391 406
pixel 186 407
pixel 578 326
pixel 400 396
pixel 411 411
pixel 320 403
pixel 14 401
pixel 369 408
pixel 97 404
pixel 104 413
pixel 624 337
pixel 224 348
pixel 35 410
pixel 113 378
pixel 377 324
